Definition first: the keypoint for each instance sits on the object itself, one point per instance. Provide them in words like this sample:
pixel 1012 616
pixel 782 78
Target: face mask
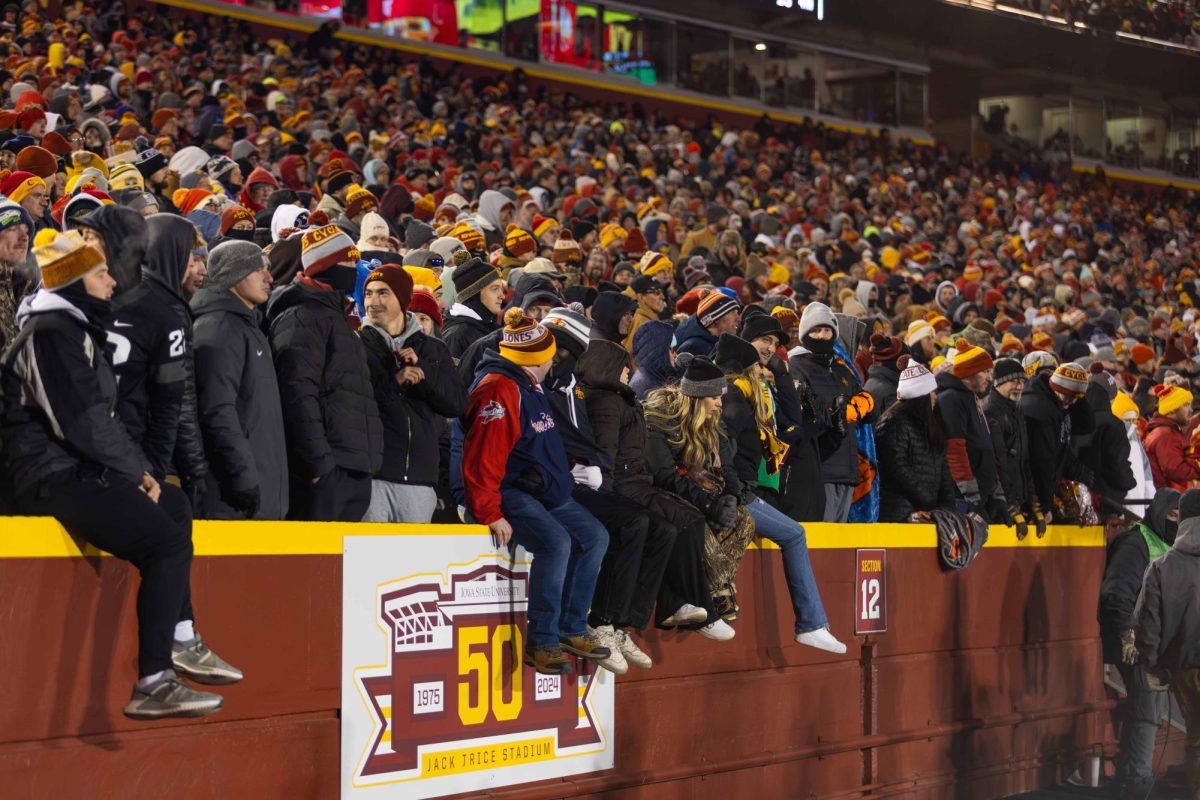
pixel 560 374
pixel 340 278
pixel 1168 535
pixel 820 347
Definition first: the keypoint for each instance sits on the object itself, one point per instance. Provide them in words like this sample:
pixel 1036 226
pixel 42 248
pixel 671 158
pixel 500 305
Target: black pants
pixel 684 580
pixel 801 488
pixel 341 496
pixel 155 537
pixel 634 563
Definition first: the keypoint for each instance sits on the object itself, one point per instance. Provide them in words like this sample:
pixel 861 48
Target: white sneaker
pixel 687 614
pixel 633 654
pixel 720 631
pixel 606 637
pixel 821 639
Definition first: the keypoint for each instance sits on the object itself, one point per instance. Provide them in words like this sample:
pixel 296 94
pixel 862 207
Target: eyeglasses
pixel 436 261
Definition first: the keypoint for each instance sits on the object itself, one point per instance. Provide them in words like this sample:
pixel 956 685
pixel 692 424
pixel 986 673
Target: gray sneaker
pixel 194 660
pixel 170 697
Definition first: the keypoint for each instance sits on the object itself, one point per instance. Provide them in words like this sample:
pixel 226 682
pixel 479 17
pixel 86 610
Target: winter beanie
pixel 915 379
pixel 322 248
pixel 1006 370
pixel 701 377
pixel 397 279
pixel 519 242
pixel 970 360
pixel 885 349
pixel 572 320
pixel 1170 398
pixel 918 329
pixel 359 201
pixel 471 278
pixel 63 258
pixel 653 263
pixel 815 315
pixel 525 341
pixel 423 302
pixel 1069 379
pixel 232 260
pixel 1124 408
pixel 19 184
pixel 1037 361
pixel 566 250
pixel 714 306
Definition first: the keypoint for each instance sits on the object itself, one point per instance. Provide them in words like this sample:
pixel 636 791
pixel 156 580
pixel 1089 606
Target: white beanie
pixel 815 315
pixel 915 381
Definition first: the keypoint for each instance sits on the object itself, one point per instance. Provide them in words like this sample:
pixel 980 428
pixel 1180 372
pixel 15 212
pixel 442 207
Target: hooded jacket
pixel 616 418
pixel 1166 447
pixel 882 381
pixel 1010 445
pixel 652 359
pixel 607 312
pixel 828 384
pixel 692 337
pixel 412 415
pixel 1128 556
pixel 1050 428
pixel 126 238
pixel 465 323
pixel 913 476
pixel 509 437
pixel 490 204
pixel 58 400
pixel 329 409
pixel 1168 609
pixel 259 175
pixel 1105 451
pixel 238 400
pixel 150 339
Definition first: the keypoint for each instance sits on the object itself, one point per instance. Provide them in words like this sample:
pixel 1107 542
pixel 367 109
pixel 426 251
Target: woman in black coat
pixel 684 598
pixel 913 472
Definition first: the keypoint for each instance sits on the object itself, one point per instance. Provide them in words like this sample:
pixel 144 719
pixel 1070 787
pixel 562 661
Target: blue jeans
pixel 568 546
pixel 784 531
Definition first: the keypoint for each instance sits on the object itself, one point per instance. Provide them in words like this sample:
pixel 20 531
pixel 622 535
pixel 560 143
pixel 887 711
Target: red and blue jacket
pixel 509 441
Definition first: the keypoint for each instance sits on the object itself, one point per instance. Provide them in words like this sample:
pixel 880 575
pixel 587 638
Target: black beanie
pixel 734 354
pixel 760 324
pixel 470 278
pixel 714 213
pixel 701 377
pixel 1189 504
pixel 581 228
pixel 1005 370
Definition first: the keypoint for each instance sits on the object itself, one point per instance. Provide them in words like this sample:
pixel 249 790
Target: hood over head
pixel 171 238
pixel 126 237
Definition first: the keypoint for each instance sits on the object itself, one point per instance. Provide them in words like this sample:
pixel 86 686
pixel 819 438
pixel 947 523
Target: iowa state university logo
pixel 454 696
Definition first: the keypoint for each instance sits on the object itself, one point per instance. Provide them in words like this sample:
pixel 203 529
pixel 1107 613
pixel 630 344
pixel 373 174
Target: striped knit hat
pixel 713 306
pixel 971 360
pixel 653 263
pixel 519 242
pixel 701 377
pixel 1037 361
pixel 471 238
pixel 918 329
pixel 64 258
pixel 125 176
pixel 566 250
pixel 1071 379
pixel 324 247
pixel 525 341
pixel 572 322
pixel 471 278
pixel 1011 344
pixel 19 184
pixel 1170 398
pixel 359 201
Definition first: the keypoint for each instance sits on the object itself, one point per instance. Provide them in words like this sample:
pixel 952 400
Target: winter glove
pixel 246 501
pixel 723 511
pixel 1129 653
pixel 1040 520
pixel 1021 523
pixel 587 476
pixel 997 512
pixel 194 488
pixel 859 407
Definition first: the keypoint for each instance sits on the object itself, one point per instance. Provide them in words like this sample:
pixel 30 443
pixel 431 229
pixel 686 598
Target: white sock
pixel 184 632
pixel 149 679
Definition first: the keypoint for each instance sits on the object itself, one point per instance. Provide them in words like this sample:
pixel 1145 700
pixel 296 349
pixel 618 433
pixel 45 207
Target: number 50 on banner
pixel 870 596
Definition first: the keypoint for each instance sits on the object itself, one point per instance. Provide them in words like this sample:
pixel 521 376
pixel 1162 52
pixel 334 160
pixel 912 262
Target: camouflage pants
pixel 723 551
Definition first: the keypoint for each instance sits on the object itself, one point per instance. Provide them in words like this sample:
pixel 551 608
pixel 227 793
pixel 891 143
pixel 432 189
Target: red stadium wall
pixel 987 682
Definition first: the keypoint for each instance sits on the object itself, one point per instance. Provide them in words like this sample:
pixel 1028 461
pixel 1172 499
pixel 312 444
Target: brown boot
pixel 547 660
pixel 585 646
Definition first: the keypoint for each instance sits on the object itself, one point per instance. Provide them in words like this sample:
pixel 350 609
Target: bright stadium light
pixel 760 46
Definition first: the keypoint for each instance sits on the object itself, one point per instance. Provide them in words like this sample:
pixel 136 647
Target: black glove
pixel 723 511
pixel 194 488
pixel 997 511
pixel 246 501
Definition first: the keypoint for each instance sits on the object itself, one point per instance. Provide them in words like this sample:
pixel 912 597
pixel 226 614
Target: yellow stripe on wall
pixel 43 537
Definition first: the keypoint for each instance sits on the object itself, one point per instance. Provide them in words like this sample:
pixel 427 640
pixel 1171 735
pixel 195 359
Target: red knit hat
pixel 969 360
pixel 425 303
pixel 56 144
pixel 1141 353
pixel 186 200
pixel 38 160
pixel 397 279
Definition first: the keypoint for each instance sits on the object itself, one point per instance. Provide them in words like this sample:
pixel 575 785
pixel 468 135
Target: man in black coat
pixel 1105 451
pixel 335 437
pixel 1167 619
pixel 479 292
pixel 969 449
pixel 1129 554
pixel 1053 414
pixel 150 338
pixel 237 391
pixel 416 388
pixel 1010 440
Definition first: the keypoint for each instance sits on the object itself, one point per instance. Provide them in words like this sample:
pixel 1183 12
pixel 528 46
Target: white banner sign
pixel 435 699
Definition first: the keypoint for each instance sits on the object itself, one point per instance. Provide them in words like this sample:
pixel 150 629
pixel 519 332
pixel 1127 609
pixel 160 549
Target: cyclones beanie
pixel 519 242
pixel 971 360
pixel 1170 398
pixel 915 379
pixel 19 184
pixel 471 278
pixel 324 247
pixel 397 279
pixel 566 250
pixel 525 341
pixel 572 321
pixel 1037 361
pixel 652 263
pixel 1069 379
pixel 64 258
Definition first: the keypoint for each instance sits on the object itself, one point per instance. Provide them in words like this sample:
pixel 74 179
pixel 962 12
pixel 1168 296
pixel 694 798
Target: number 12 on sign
pixel 870 600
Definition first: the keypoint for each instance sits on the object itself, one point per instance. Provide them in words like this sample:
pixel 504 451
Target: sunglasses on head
pixel 436 261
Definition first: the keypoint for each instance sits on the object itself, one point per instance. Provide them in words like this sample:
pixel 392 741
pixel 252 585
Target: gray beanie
pixel 815 315
pixel 232 260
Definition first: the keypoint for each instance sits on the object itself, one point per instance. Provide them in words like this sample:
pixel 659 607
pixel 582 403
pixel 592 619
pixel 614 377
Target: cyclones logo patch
pixel 491 412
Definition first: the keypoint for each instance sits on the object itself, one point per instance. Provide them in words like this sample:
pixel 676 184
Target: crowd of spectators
pixel 1169 20
pixel 253 279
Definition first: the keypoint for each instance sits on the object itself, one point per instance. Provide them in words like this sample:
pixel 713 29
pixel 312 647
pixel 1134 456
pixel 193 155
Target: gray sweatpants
pixel 400 502
pixel 838 499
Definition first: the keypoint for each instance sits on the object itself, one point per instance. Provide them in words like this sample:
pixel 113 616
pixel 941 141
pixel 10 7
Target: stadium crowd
pixel 244 279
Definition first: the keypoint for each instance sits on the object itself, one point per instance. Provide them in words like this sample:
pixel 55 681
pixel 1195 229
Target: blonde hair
pixel 690 431
pixel 750 382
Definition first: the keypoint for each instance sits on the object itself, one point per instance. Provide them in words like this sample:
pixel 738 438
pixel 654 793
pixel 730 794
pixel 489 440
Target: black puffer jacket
pixel 969 452
pixel 150 339
pixel 238 398
pixel 913 476
pixel 829 384
pixel 737 417
pixel 1051 427
pixel 58 399
pixel 660 461
pixel 329 408
pixel 413 416
pixel 616 418
pixel 1010 443
pixel 461 330
pixel 1128 557
pixel 1105 451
